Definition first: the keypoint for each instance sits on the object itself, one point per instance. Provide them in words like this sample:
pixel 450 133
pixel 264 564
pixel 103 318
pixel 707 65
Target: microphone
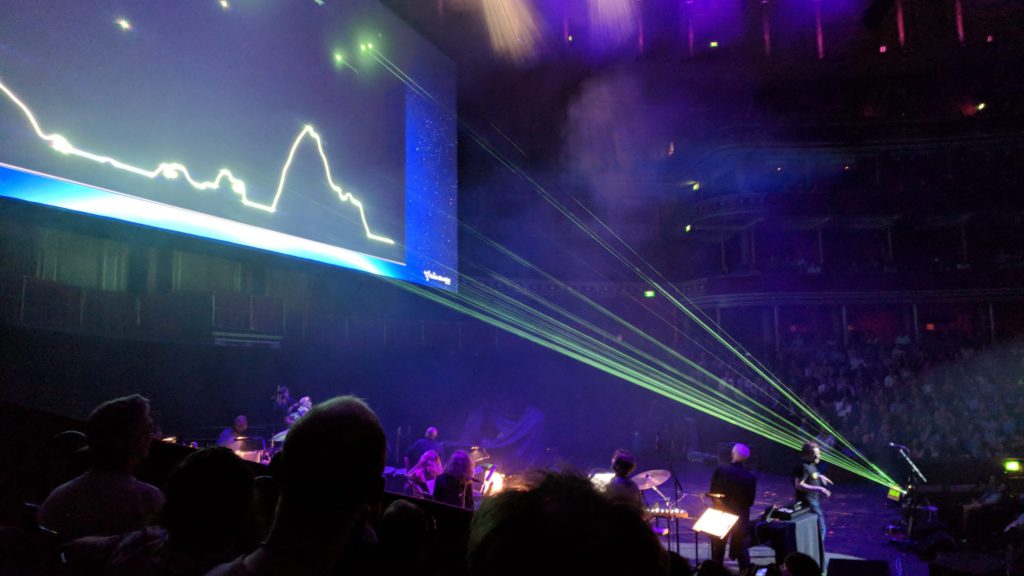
pixel 895 445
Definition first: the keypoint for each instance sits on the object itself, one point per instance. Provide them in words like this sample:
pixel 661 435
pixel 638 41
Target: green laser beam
pixel 542 329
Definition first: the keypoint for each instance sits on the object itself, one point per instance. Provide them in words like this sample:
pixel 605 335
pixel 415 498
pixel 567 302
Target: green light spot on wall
pixel 650 293
pixel 1011 466
pixel 713 44
pixel 688 228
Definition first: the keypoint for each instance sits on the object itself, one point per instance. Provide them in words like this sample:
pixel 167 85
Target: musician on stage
pixel 298 410
pixel 229 436
pixel 811 485
pixel 734 489
pixel 282 406
pixel 422 445
pixel 621 488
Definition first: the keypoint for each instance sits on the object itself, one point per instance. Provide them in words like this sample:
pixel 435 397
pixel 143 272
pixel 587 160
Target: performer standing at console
pixel 810 485
pixel 420 446
pixel 734 489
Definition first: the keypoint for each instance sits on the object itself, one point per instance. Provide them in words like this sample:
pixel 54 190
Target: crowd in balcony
pixel 948 399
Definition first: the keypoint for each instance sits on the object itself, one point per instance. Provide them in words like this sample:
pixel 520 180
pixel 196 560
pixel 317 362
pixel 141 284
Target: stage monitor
pixel 320 129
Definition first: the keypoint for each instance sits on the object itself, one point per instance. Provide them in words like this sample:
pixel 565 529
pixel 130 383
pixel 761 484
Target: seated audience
pixel 800 564
pixel 208 502
pixel 68 458
pixel 561 526
pixel 915 393
pixel 405 535
pixel 107 500
pixel 455 486
pixel 332 469
pixel 712 567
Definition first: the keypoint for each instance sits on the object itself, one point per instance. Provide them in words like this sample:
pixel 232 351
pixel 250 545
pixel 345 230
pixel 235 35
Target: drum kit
pixel 649 480
pixel 254 448
pixel 663 509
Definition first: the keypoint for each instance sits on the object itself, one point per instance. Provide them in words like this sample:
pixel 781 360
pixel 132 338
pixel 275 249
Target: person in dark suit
pixel 736 487
pixel 421 445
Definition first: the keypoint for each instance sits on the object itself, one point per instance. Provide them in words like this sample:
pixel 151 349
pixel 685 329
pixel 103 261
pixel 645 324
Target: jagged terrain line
pixel 174 170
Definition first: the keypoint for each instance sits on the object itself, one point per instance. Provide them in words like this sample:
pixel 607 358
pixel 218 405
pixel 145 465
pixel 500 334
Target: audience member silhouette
pixel 405 536
pixel 208 501
pixel 800 564
pixel 107 500
pixel 454 486
pixel 678 565
pixel 561 526
pixel 712 567
pixel 68 458
pixel 333 461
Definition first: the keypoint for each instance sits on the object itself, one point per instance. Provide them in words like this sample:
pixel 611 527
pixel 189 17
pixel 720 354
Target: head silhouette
pixel 333 458
pixel 119 432
pixel 561 526
pixel 208 499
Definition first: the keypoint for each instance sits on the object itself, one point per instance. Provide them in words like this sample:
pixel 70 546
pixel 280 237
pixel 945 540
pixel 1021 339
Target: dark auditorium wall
pixel 197 389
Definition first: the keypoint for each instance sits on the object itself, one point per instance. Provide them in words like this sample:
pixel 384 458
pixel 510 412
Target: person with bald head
pixel 421 445
pixel 332 470
pixel 734 489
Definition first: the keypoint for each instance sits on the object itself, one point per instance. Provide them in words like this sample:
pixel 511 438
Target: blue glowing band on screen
pixel 40 189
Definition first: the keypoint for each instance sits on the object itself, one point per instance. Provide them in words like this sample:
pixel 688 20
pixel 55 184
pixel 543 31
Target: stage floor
pixel 857 516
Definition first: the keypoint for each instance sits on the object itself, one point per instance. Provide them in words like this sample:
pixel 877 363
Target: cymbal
pixel 651 479
pixel 280 436
pixel 478 454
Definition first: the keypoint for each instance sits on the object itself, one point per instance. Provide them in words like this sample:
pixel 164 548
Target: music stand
pixel 713 523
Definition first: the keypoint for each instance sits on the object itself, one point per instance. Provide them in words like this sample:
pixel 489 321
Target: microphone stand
pixel 915 475
pixel 913 467
pixel 677 489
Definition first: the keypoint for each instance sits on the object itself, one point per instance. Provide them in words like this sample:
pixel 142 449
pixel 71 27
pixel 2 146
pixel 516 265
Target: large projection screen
pixel 321 130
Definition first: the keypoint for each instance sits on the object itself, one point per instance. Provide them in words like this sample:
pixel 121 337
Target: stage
pixel 856 516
